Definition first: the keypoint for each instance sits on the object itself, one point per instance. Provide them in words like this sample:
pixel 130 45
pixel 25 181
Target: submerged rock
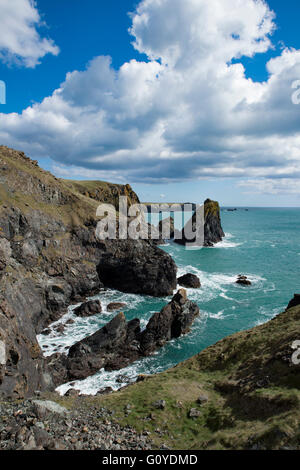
pixel 88 309
pixel 115 306
pixel 243 281
pixel 190 281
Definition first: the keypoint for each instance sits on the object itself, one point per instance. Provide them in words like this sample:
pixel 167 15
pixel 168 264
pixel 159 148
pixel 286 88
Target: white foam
pixel 149 365
pixel 217 316
pixel 83 327
pixel 226 244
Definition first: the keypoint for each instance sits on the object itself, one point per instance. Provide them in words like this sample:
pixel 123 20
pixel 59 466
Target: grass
pixel 239 414
pixel 25 185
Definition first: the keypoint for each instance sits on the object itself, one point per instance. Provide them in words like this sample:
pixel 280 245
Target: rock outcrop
pixel 294 302
pixel 213 232
pixel 119 343
pixel 174 320
pixel 166 228
pixel 50 258
pixel 88 309
pixel 115 306
pixel 138 267
pixel 243 281
pixel 190 281
pixel 104 192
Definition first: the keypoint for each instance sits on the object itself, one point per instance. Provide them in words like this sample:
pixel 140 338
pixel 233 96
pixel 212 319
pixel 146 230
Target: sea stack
pixel 213 232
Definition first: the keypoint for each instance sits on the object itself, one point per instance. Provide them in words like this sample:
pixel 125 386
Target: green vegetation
pixel 28 187
pixel 211 208
pixel 253 392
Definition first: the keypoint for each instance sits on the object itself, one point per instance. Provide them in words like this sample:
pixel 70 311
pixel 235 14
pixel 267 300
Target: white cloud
pixel 272 186
pixel 20 41
pixel 181 32
pixel 187 113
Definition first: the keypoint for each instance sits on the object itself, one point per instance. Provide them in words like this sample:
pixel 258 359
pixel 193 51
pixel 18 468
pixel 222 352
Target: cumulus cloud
pixel 20 41
pixel 188 112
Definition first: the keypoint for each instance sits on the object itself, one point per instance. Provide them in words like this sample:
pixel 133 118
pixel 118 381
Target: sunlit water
pixel 261 243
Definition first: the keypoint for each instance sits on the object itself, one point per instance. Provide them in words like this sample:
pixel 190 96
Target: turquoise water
pixel 262 244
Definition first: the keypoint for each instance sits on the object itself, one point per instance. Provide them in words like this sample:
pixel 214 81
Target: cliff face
pixel 49 258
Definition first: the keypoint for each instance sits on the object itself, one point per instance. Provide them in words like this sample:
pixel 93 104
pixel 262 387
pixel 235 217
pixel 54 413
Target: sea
pixel 261 243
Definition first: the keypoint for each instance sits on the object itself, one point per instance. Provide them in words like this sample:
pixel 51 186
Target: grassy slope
pixel 21 179
pixel 251 385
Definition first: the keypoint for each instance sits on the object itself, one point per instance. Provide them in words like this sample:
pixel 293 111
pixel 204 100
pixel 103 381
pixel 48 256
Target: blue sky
pixel 140 135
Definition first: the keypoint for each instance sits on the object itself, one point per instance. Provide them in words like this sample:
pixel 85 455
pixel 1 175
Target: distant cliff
pixel 104 192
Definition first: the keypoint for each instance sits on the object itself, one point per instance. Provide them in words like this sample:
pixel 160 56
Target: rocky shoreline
pixel 230 396
pixel 51 258
pixel 120 343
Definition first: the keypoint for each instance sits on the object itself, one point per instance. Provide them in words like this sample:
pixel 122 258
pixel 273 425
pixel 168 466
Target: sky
pixel 183 99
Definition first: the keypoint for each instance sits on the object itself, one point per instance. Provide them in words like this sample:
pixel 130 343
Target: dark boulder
pixel 108 338
pixel 115 306
pixel 294 302
pixel 190 281
pixel 139 267
pixel 91 354
pixel 243 281
pixel 88 309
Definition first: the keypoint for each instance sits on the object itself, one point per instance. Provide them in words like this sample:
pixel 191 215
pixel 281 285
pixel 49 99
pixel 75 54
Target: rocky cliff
pixel 213 232
pixel 50 257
